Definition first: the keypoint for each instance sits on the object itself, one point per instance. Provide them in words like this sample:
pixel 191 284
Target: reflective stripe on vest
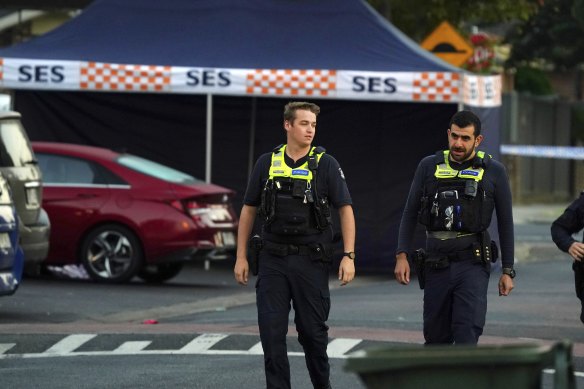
pixel 444 170
pixel 278 168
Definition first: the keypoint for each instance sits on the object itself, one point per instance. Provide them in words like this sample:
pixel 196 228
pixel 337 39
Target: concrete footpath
pixel 532 232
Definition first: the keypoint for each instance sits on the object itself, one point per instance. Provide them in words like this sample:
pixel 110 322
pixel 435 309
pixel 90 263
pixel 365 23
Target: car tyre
pixel 111 254
pixel 161 272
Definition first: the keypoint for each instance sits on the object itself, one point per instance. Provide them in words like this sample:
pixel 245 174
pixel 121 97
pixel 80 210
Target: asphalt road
pixel 66 333
pixel 57 333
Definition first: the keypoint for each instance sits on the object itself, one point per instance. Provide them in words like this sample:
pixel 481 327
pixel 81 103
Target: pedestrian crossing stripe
pixel 201 344
pixel 338 348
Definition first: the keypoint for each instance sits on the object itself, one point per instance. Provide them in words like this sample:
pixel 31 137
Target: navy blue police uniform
pixel 562 229
pixel 455 203
pixel 294 259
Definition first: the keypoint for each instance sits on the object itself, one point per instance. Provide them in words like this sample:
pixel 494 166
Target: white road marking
pixel 256 349
pixel 69 343
pixel 132 346
pixel 201 343
pixel 340 346
pixel 5 347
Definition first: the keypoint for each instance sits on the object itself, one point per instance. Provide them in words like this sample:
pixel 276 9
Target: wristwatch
pixel 509 271
pixel 350 254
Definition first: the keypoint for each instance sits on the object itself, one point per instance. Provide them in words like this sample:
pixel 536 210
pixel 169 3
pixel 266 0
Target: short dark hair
pixel 293 106
pixel 464 119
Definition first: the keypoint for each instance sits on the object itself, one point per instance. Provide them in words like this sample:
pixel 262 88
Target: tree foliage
pixel 554 35
pixel 418 18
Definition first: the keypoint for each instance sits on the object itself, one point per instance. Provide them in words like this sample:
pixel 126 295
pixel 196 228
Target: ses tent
pixel 200 85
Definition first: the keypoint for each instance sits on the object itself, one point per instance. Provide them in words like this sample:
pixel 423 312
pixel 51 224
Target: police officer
pixel 570 222
pixel 292 189
pixel 453 195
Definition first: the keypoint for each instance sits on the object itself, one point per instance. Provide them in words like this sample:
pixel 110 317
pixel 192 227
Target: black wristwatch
pixel 350 254
pixel 509 271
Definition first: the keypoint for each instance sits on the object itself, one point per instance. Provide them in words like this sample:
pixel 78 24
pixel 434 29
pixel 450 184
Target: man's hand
pixel 346 270
pixel 576 250
pixel 241 271
pixel 505 285
pixel 402 269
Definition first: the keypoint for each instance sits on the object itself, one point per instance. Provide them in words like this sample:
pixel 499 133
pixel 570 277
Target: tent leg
pixel 252 131
pixel 209 142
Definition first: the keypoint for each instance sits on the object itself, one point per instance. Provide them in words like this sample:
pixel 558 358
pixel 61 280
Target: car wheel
pixel 160 273
pixel 111 253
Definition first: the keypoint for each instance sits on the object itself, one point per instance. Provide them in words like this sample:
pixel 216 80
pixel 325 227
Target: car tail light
pixel 211 215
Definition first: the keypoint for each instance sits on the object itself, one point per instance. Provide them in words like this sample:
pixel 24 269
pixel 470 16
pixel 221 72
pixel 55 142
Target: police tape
pixel 561 152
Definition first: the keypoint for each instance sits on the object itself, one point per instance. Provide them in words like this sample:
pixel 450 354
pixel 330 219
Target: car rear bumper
pixel 193 254
pixel 34 239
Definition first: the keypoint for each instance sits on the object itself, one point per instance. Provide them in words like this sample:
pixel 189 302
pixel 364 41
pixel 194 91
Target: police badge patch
pixel 341 173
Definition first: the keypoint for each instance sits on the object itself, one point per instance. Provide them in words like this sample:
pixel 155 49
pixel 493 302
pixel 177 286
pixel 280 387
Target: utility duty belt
pixel 480 249
pixel 316 251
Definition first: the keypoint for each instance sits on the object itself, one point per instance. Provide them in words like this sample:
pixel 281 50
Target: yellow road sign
pixel 446 43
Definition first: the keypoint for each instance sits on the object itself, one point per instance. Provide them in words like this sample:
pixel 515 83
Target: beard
pixel 461 158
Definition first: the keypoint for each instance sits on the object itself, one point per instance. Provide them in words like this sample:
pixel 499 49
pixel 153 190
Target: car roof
pixel 75 150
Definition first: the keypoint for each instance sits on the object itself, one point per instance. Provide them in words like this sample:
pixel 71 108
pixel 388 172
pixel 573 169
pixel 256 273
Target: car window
pixel 15 150
pixel 58 169
pixel 155 169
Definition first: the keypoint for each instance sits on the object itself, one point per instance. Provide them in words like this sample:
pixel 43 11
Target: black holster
pixel 321 252
pixel 488 247
pixel 253 253
pixel 419 259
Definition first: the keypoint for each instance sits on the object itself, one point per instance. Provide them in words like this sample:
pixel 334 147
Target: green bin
pixel 514 366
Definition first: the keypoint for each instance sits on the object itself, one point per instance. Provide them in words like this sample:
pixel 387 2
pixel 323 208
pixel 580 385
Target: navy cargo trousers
pixel 303 282
pixel 455 302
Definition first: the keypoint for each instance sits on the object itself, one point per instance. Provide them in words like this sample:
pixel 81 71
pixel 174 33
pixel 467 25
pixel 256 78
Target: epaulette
pixel 277 148
pixel 319 150
pixel 483 162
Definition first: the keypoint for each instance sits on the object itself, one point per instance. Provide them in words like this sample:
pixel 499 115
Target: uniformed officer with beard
pixel 453 194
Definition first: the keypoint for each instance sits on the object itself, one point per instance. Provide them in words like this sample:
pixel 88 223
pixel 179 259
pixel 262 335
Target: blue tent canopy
pixel 378 138
pixel 276 34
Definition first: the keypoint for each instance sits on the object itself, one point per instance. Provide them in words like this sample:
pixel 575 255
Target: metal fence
pixel 543 121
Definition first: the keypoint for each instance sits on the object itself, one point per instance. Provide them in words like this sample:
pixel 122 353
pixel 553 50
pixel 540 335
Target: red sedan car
pixel 121 215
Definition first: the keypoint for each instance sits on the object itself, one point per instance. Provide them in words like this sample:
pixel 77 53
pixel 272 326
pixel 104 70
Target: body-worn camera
pixel 470 188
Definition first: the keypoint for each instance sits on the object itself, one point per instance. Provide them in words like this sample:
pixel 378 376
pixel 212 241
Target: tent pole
pixel 252 132
pixel 209 140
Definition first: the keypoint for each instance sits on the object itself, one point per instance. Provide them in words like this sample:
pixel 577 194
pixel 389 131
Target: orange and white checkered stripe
pixel 292 82
pixel 439 87
pixel 116 77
